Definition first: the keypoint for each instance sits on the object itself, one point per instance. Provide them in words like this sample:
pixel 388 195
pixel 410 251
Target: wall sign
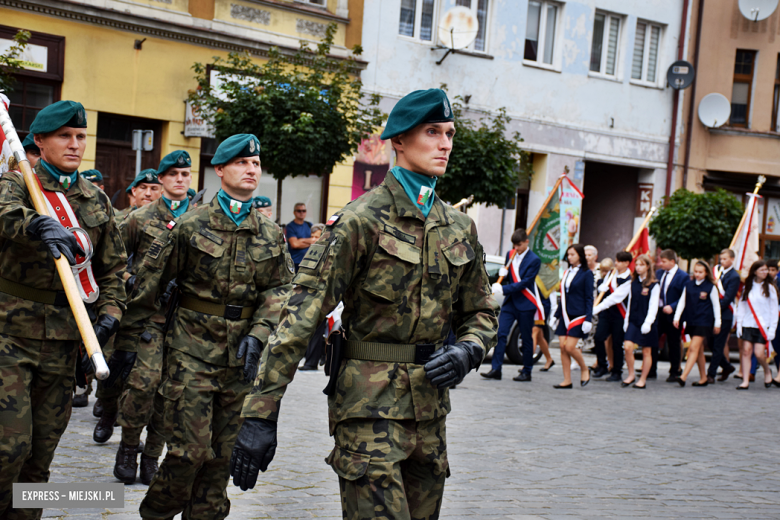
pixel 194 124
pixel 644 200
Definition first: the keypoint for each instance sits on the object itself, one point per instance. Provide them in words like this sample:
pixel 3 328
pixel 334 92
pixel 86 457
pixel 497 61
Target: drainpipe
pixel 675 102
pixel 691 107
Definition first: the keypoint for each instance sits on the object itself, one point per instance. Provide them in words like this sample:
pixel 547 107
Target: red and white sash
pixel 718 271
pixel 613 286
pixel 760 327
pixel 60 208
pixel 570 324
pixel 534 296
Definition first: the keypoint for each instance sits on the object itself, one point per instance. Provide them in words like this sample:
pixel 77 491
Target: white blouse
pixel 766 308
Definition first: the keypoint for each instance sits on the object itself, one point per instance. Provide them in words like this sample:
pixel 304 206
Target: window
pixel 28 97
pixel 606 39
pixel 644 66
pixel 740 92
pixel 481 8
pixel 320 3
pixel 417 19
pixel 776 104
pixel 540 31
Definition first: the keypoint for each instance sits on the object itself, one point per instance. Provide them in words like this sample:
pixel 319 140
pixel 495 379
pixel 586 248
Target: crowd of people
pixel 621 310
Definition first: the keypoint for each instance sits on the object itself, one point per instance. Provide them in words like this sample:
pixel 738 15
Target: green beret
pixel 177 159
pixel 421 106
pixel 191 193
pixel 239 145
pixel 92 175
pixel 147 176
pixel 261 202
pixel 61 113
pixel 29 143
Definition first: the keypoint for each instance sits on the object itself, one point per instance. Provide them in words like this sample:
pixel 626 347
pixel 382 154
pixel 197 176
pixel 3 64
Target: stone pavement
pixel 523 451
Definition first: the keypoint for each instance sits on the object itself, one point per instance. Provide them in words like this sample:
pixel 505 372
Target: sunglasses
pixel 300 211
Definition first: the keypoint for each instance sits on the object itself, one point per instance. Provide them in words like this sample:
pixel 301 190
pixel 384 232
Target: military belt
pixel 229 312
pixel 418 354
pixel 24 292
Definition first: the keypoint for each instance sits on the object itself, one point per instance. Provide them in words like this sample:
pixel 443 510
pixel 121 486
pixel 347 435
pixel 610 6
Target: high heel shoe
pixel 623 384
pixel 584 383
pixel 545 369
pixel 562 386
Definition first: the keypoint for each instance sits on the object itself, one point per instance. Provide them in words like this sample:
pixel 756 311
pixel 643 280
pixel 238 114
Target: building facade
pixel 585 85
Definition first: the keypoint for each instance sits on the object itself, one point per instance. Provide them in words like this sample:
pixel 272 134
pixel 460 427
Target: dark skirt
pixel 634 335
pixel 753 335
pixel 702 331
pixel 575 332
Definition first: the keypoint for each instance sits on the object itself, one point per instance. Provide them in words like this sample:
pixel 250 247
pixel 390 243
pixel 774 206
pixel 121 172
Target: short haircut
pixel 592 249
pixel 317 227
pixel 729 252
pixel 668 254
pixel 624 256
pixel 772 263
pixel 607 263
pixel 519 236
pixel 298 205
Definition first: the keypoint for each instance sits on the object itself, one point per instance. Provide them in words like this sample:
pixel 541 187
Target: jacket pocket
pixel 348 464
pixel 393 268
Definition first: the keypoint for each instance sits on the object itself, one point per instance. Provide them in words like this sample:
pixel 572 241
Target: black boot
pixel 126 465
pixel 97 410
pixel 104 428
pixel 80 400
pixel 148 468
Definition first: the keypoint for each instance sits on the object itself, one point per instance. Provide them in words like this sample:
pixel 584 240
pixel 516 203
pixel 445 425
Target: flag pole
pixel 759 183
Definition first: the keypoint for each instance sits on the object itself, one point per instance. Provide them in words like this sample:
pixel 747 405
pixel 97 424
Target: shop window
pixel 776 103
pixel 480 7
pixel 604 51
pixel 540 31
pixel 740 91
pixel 417 19
pixel 647 41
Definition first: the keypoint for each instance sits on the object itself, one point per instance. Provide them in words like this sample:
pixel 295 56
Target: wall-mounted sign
pixel 772 226
pixel 194 124
pixel 33 57
pixel 644 200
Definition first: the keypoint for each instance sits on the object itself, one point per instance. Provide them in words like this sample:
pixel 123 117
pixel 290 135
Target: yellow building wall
pixel 173 5
pixel 340 190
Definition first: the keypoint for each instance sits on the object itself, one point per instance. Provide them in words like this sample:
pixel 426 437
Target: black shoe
pixel 681 381
pixel 97 410
pixel 599 372
pixel 493 374
pixel 696 383
pixel 742 387
pixel 636 385
pixel 672 378
pixel 562 386
pixel 522 376
pixel 148 468
pixel 80 401
pixel 545 369
pixel 652 376
pixel 104 428
pixel 584 383
pixel 726 372
pixel 126 465
pixel 306 367
pixel 614 378
pixel 776 383
pixel 624 384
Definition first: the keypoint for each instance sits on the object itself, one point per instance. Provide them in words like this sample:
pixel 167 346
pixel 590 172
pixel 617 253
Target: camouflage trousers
pixel 390 469
pixel 36 391
pixel 201 419
pixel 140 404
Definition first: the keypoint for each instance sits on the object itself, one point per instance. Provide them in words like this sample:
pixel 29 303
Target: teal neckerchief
pixel 418 187
pixel 66 180
pixel 237 210
pixel 177 207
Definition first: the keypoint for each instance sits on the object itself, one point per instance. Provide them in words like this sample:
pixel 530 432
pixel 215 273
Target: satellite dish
pixel 714 110
pixel 458 28
pixel 757 10
pixel 680 75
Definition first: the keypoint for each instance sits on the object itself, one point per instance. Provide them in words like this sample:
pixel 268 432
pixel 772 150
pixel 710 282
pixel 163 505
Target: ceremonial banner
pixel 7 162
pixel 642 247
pixel 746 246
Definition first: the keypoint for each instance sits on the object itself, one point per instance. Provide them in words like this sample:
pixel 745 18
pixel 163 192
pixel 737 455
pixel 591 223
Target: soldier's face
pixel 426 148
pixel 240 176
pixel 63 148
pixel 33 157
pixel 145 193
pixel 175 182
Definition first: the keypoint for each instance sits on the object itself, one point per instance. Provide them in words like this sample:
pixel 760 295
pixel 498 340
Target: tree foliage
pixel 697 225
pixel 308 109
pixel 9 60
pixel 484 161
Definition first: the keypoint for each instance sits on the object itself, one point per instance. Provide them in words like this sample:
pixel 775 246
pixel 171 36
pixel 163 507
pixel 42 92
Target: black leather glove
pixel 105 327
pixel 253 452
pixel 129 284
pixel 120 365
pixel 450 364
pixel 86 364
pixel 81 373
pixel 56 237
pixel 252 348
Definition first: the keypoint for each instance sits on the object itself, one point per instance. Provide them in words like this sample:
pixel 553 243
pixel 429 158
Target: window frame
pixel 418 21
pixel 744 78
pixel 646 55
pixel 473 7
pixel 556 61
pixel 618 76
pixel 776 98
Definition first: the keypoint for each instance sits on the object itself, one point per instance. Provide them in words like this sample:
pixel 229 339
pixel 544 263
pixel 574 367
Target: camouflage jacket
pixel 28 261
pixel 214 261
pixel 139 230
pixel 404 279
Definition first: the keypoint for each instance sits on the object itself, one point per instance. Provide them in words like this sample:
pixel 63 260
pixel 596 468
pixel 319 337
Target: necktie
pixel 663 289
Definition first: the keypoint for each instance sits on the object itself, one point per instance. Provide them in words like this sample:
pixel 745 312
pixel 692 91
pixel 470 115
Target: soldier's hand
pixel 56 237
pixel 120 365
pixel 253 452
pixel 129 284
pixel 86 364
pixel 250 347
pixel 105 327
pixel 450 364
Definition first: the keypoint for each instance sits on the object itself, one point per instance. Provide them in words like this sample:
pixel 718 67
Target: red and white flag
pixel 746 247
pixel 6 157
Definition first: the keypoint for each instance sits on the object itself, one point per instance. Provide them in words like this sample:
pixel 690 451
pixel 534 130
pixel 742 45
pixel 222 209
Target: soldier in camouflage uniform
pixel 144 190
pixel 38 333
pixel 139 230
pixel 409 269
pixel 233 272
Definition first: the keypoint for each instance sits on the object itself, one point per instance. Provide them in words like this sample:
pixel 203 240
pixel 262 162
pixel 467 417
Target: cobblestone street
pixel 523 451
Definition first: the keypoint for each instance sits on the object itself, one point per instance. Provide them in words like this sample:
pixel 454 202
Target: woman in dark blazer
pixel 574 313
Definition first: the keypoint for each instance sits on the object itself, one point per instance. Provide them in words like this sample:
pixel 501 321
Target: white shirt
pixel 652 309
pixel 714 299
pixel 667 279
pixel 517 260
pixel 765 307
pixel 620 294
pixel 570 276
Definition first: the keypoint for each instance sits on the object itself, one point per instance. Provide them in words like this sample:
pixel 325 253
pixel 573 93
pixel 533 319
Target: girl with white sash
pixel 757 321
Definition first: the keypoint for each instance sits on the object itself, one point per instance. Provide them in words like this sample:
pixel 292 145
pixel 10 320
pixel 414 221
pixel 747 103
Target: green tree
pixel 484 161
pixel 308 109
pixel 9 60
pixel 697 225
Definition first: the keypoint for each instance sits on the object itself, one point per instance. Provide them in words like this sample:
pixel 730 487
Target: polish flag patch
pixel 332 220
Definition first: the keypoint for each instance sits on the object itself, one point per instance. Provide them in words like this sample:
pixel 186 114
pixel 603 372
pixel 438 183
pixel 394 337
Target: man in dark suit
pixel 520 305
pixel 672 281
pixel 727 280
